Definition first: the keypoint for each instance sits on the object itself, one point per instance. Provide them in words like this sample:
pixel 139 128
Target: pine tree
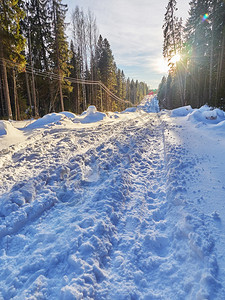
pixel 12 44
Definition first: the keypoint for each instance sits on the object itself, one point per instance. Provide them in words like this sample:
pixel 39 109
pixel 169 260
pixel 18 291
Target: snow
pixel 129 109
pixel 47 120
pixel 149 104
pixel 113 205
pixel 181 111
pixel 7 128
pixel 9 135
pixel 91 115
pixel 68 114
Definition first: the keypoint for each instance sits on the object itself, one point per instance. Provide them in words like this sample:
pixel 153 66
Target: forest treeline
pixel 196 56
pixel 41 72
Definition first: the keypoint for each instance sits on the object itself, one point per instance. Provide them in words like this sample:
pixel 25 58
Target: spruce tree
pixel 128 92
pixel 60 53
pixel 123 85
pixel 119 84
pixel 172 47
pixel 217 53
pixel 106 67
pixel 162 92
pixel 198 34
pixel 37 28
pixel 169 31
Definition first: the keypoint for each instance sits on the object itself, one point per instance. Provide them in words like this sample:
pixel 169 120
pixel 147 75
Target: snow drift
pixel 6 128
pixel 91 115
pixel 49 120
pixel 204 116
pixel 181 111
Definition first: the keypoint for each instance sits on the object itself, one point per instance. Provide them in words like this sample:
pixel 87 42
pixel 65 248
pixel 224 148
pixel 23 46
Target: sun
pixel 162 65
pixel 175 58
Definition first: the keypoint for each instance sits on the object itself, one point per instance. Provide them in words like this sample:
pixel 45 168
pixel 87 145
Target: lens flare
pixel 205 17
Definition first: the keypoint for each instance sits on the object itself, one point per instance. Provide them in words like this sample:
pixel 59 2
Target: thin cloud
pixel 134 31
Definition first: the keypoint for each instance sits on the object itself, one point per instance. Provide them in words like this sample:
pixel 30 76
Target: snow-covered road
pixel 112 210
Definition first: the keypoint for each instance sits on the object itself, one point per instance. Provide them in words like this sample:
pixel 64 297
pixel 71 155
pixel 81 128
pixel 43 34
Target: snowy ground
pixel 113 206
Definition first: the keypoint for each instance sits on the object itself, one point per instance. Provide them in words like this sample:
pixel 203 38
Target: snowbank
pixel 68 114
pixel 6 128
pixel 205 115
pixel 2 128
pixel 129 109
pixel 181 111
pixel 220 125
pixel 91 115
pixel 46 121
pixel 9 135
pixel 51 119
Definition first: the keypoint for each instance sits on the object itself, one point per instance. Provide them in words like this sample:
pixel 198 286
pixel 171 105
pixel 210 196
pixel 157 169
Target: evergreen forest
pixel 41 71
pixel 195 52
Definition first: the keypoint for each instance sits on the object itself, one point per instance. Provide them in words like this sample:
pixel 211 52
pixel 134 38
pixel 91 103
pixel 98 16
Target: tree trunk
pixel 5 84
pixel 1 96
pixel 220 66
pixel 84 96
pixel 28 89
pixel 101 98
pixel 61 94
pixel 16 102
pixel 211 58
pixel 78 97
pixel 32 79
pixel 34 93
pixel 57 58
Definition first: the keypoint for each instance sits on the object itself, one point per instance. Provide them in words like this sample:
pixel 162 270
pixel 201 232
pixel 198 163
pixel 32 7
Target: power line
pixel 29 69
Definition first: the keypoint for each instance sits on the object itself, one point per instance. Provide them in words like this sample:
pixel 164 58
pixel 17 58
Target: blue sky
pixel 134 31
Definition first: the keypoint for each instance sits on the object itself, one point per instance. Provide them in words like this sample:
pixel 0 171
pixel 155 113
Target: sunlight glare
pixel 175 58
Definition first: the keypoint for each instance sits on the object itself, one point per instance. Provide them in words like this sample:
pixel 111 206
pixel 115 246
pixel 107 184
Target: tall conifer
pixel 12 44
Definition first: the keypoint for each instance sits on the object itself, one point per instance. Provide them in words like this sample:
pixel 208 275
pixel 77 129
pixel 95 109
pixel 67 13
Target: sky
pixel 134 31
